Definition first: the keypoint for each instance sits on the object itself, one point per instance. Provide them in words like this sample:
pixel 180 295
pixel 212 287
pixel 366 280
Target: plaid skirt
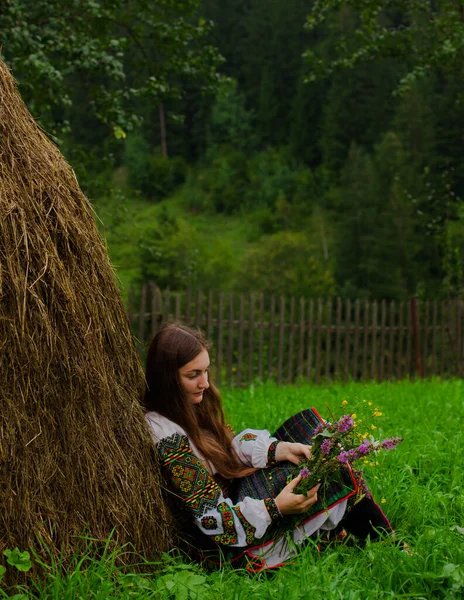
pixel 273 548
pixel 269 482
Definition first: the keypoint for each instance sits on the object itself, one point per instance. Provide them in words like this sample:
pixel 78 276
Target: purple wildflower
pixel 353 454
pixel 345 423
pixel 364 448
pixel 343 456
pixel 326 447
pixel 391 443
pixel 319 429
pixel 305 472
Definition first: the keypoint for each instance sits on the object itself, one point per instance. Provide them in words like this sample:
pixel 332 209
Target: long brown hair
pixel 173 347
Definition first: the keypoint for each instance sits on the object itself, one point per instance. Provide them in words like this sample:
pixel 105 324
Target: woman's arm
pixel 257 448
pixel 215 515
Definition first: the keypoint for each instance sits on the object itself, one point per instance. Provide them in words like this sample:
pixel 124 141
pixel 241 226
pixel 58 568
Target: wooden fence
pixel 289 339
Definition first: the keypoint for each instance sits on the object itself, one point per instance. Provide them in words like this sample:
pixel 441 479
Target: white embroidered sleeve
pixel 255 447
pixel 216 516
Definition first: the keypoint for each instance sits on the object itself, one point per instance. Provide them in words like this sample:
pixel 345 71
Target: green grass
pixel 421 483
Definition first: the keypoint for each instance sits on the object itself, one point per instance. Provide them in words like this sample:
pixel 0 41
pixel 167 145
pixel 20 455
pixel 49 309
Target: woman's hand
pixel 292 452
pixel 293 504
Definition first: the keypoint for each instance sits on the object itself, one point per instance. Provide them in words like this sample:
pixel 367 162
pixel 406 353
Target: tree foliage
pixel 104 55
pixel 427 34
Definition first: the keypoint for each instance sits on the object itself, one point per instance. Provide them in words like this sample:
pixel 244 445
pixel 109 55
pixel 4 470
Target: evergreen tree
pixel 367 257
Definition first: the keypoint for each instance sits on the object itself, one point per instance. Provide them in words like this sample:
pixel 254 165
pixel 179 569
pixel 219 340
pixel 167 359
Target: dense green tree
pixel 231 123
pixel 426 33
pixel 103 55
pixel 367 250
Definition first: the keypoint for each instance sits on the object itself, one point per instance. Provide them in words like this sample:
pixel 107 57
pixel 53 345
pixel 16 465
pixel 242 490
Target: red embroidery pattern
pixel 248 527
pixel 188 475
pixel 248 437
pixel 230 534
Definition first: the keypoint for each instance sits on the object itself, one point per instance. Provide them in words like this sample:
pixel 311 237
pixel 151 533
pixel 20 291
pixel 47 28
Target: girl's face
pixel 194 377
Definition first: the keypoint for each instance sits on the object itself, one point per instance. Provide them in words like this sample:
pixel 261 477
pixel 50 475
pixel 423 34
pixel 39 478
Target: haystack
pixel 75 455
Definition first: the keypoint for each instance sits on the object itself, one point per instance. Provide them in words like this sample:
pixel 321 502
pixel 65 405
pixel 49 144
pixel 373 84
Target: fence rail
pixel 291 339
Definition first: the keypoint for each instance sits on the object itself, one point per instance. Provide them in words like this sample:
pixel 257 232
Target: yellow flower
pixel 354 415
pixel 365 435
pixel 373 427
pixel 377 414
pixel 376 463
pixel 371 465
pixel 369 404
pixel 383 500
pixel 344 403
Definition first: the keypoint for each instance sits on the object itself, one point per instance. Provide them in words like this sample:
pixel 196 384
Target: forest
pixel 308 148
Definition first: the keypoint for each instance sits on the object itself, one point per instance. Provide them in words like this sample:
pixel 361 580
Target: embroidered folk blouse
pixel 192 479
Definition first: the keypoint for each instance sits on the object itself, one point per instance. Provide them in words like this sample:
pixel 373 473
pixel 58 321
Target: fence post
pixel 280 358
pixel 328 339
pixel 415 335
pixel 230 340
pixel 143 303
pixel 220 325
pixel 301 331
pixel 291 340
pixel 156 306
pixel 347 330
pixel 309 364
pixel 251 335
pixel 261 336
pixel 357 315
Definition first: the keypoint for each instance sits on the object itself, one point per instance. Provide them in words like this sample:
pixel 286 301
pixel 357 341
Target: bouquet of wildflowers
pixel 340 441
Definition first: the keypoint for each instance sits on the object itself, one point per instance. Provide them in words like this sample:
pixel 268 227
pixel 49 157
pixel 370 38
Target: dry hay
pixel 75 455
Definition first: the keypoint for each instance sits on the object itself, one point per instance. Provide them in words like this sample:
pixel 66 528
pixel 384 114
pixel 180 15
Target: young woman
pixel 218 482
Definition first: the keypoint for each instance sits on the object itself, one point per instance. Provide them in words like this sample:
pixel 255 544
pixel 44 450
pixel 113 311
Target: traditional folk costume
pixel 238 520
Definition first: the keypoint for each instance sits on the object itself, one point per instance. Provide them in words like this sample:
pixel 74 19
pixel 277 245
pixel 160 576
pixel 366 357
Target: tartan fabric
pixel 265 483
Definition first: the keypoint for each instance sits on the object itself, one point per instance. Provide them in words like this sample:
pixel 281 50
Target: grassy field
pixel 421 484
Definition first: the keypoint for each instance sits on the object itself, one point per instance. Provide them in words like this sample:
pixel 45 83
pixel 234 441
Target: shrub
pixel 156 176
pixel 175 255
pixel 284 263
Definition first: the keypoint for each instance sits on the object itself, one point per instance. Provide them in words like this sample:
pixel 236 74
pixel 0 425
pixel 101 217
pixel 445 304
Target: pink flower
pixel 305 472
pixel 391 443
pixel 319 429
pixel 343 457
pixel 326 447
pixel 345 423
pixel 365 448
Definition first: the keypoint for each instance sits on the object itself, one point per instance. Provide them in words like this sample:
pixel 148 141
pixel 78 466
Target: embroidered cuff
pixel 271 454
pixel 272 509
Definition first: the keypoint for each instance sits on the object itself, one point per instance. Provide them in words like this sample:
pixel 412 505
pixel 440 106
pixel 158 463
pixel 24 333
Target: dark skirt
pixel 267 483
